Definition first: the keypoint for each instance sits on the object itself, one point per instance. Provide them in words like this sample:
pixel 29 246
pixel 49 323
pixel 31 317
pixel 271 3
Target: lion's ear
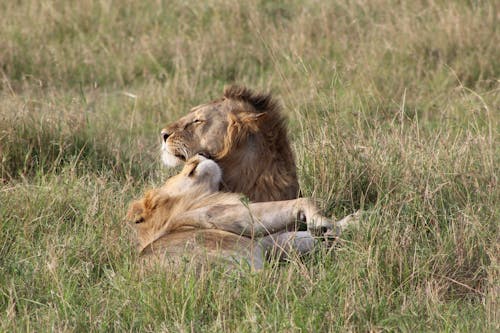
pixel 248 117
pixel 242 124
pixel 252 121
pixel 135 210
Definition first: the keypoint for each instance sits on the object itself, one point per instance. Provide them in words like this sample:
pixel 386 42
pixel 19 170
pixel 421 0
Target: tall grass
pixel 393 107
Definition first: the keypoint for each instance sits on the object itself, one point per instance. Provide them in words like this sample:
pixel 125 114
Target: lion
pixel 189 215
pixel 245 133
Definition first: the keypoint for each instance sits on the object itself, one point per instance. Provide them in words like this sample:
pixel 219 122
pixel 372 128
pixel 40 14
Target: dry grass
pixel 393 107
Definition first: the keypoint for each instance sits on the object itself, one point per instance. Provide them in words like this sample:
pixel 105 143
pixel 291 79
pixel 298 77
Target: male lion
pixel 189 215
pixel 245 133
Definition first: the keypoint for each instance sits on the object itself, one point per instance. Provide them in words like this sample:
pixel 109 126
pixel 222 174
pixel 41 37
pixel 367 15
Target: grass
pixel 393 107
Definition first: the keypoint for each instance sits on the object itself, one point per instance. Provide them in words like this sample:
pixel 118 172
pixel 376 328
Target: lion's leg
pixel 257 219
pixel 282 245
pixel 262 218
pixel 285 244
pixel 348 221
pixel 280 215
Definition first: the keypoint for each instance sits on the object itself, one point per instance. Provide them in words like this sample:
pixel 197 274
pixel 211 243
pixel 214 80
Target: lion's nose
pixel 164 135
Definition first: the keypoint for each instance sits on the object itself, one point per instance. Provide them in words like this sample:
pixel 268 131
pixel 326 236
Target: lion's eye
pixel 197 121
pixel 139 220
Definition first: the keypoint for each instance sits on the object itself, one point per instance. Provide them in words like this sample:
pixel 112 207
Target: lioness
pixel 188 214
pixel 245 133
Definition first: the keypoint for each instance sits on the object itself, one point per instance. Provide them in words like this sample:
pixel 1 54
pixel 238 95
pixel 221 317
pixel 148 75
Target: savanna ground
pixel 393 106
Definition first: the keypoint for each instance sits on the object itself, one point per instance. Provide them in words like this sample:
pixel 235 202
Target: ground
pixel 393 107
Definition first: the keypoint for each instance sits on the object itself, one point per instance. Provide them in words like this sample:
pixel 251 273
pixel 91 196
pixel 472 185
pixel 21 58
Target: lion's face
pixel 246 134
pixel 201 131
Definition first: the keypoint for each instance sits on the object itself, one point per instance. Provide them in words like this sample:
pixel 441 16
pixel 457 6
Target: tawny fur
pixel 246 134
pixel 188 215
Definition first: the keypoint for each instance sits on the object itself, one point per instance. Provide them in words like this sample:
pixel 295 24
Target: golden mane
pixel 171 207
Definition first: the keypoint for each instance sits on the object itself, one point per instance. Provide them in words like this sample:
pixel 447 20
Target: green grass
pixel 393 107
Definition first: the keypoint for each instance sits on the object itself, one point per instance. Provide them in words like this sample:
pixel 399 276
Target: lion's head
pixel 246 135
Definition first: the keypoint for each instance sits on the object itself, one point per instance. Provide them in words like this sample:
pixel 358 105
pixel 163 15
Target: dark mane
pixel 261 102
pixel 257 147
